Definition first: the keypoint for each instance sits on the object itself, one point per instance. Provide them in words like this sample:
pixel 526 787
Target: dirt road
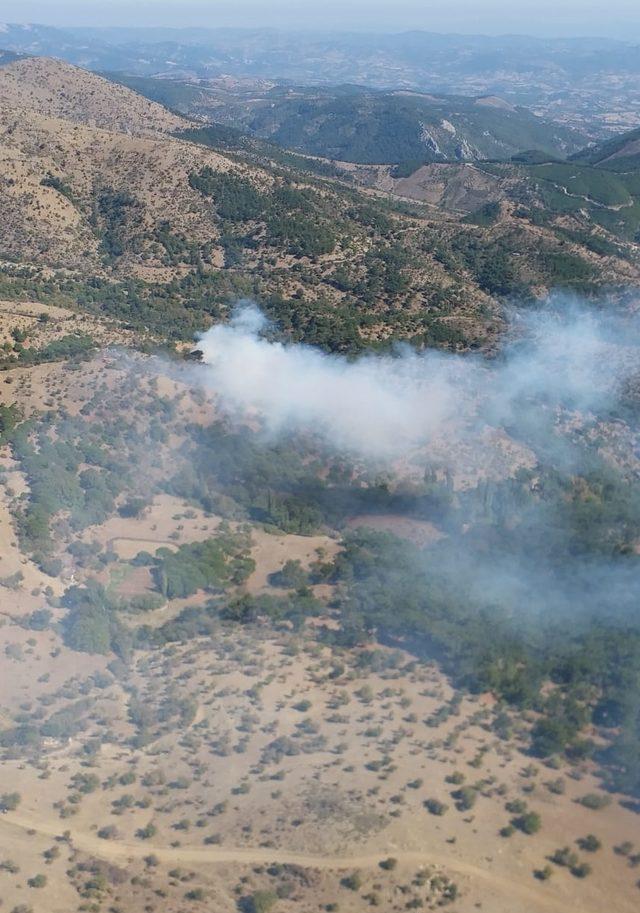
pixel 528 897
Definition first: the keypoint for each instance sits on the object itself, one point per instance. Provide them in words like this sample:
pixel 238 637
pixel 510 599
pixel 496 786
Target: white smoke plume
pixel 382 407
pixel 373 406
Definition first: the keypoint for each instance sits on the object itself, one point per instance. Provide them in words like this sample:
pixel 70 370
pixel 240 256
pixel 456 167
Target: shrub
pixel 38 881
pixel 365 694
pixel 557 787
pixel 352 882
pixel 544 874
pixel 595 801
pixel 529 823
pixel 589 844
pixel 9 802
pixel 435 807
pixel 259 902
pixel 565 857
pixel 38 620
pixel 292 576
pixel 465 798
pixel 133 507
pixel 456 778
pixel 623 849
pixel 85 783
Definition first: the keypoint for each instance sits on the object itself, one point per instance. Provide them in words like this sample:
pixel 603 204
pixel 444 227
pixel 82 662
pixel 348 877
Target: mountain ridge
pixel 619 151
pixel 165 232
pixel 54 88
pixel 364 126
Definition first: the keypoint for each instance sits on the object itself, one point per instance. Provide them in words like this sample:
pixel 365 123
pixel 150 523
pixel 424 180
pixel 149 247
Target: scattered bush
pixel 595 801
pixel 9 802
pixel 590 843
pixel 435 807
pixel 352 882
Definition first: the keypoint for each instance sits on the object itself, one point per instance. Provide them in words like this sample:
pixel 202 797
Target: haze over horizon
pixel 620 19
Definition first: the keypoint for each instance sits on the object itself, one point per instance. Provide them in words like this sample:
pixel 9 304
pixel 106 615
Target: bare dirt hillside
pixel 56 89
pixel 94 182
pixel 457 188
pixel 54 169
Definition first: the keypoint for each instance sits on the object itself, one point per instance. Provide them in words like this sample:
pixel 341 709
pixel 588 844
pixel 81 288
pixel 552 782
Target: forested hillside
pixel 353 124
pixel 110 212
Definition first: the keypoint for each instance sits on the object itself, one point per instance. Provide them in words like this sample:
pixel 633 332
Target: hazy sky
pixel 615 18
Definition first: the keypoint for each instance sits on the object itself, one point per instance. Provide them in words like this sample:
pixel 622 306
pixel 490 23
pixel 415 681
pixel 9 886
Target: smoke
pixel 386 407
pixel 375 407
pixel 546 405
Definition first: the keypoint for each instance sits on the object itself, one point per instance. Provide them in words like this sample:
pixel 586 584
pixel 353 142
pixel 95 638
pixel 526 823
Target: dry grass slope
pixel 56 89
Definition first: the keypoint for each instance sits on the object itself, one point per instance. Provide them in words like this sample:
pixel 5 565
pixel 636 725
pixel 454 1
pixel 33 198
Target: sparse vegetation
pixel 227 646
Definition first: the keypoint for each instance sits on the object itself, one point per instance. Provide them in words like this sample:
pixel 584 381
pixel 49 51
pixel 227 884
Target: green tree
pixel 9 802
pixel 259 902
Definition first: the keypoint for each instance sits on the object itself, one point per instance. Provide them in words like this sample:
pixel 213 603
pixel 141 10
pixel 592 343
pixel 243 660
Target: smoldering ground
pixel 537 473
pixel 382 407
pixel 526 463
pixel 530 469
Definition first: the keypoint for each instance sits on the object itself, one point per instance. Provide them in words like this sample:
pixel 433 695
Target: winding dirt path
pixel 532 899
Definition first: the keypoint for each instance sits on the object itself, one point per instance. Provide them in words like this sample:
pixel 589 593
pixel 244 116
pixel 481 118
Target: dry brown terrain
pixel 257 758
pixel 58 90
pixel 448 188
pixel 48 227
pixel 187 771
pixel 362 752
pixel 94 182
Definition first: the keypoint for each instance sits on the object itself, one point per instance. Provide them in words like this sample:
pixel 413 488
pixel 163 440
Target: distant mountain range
pixel 595 191
pixel 571 77
pixel 352 124
pixel 620 153
pixel 112 201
